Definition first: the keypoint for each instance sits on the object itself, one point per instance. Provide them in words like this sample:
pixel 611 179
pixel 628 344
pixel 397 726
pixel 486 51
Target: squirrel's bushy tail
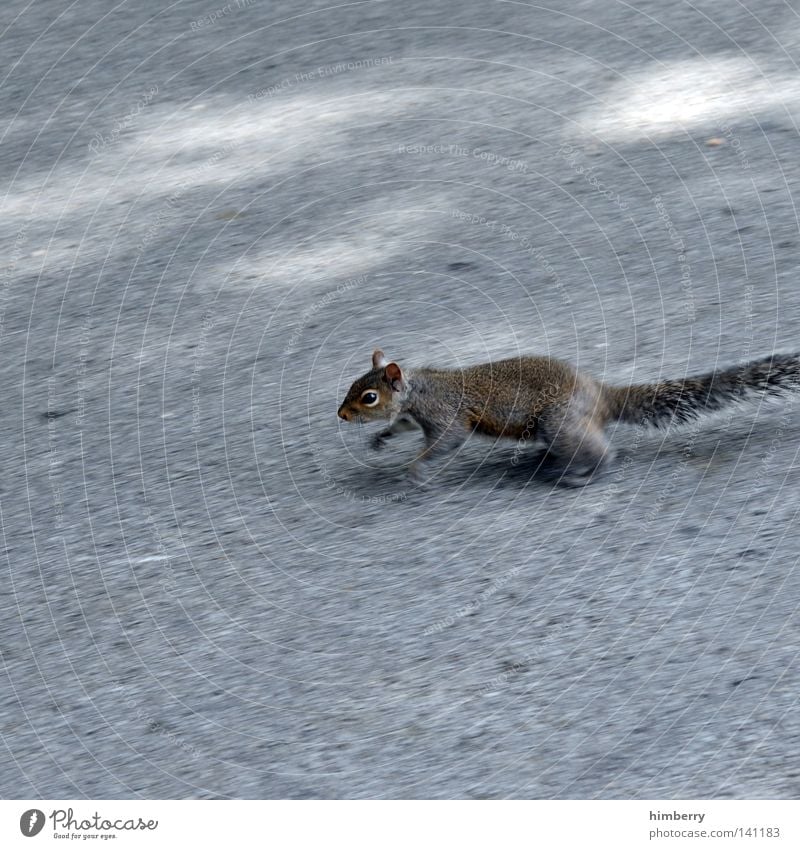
pixel 678 401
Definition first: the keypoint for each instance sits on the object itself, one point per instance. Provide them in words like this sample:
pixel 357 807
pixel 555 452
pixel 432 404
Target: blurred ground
pixel 212 215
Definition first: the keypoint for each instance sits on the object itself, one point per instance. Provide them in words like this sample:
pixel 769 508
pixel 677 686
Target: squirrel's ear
pixel 394 376
pixel 378 359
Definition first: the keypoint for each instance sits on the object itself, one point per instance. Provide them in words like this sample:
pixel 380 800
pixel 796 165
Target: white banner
pixel 379 824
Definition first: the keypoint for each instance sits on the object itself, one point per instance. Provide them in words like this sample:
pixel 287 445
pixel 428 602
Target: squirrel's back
pixel 505 397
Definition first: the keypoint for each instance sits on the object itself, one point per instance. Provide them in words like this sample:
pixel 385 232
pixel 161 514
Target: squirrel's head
pixel 377 395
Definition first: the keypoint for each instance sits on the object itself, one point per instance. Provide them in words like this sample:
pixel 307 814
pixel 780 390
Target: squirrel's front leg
pixel 400 425
pixel 437 445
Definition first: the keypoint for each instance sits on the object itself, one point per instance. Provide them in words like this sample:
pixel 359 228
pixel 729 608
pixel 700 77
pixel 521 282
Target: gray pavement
pixel 212 215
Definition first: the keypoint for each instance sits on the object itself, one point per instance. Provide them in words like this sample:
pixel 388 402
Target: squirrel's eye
pixel 369 398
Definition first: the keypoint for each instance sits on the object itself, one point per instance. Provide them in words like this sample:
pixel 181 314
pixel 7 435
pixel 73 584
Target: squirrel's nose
pixel 343 414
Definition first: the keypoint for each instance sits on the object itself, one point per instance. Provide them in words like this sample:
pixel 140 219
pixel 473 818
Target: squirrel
pixel 546 400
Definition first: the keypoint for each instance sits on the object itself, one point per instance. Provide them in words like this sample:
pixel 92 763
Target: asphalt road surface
pixel 211 215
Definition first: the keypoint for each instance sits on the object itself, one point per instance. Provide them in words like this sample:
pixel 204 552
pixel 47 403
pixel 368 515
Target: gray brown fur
pixel 678 401
pixel 547 400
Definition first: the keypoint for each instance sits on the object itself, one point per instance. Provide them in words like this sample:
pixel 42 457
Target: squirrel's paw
pixel 377 441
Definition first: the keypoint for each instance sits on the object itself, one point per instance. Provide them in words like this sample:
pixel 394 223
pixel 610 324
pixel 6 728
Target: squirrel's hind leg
pixel 577 448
